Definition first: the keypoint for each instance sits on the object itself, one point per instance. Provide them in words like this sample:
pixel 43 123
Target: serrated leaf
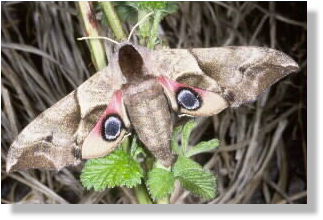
pixel 184 163
pixel 187 130
pixel 193 178
pixel 203 147
pixel 152 5
pixel 164 6
pixel 160 183
pixel 116 169
pixel 201 183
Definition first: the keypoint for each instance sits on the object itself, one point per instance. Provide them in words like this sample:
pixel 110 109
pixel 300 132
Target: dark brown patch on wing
pixel 194 80
pixel 49 138
pixel 77 153
pixel 229 96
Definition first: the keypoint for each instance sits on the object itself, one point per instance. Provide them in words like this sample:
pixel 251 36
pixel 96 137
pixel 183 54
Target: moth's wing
pixel 109 130
pixel 243 73
pixel 53 139
pixel 237 74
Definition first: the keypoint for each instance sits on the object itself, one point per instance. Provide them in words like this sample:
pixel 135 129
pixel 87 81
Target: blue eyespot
pixel 188 99
pixel 112 127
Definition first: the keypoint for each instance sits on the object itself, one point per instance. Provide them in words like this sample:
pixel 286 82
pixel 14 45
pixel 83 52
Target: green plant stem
pixel 113 20
pixel 91 29
pixel 145 27
pixel 142 195
pixel 152 41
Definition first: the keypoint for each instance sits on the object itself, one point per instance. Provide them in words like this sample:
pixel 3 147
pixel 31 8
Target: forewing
pixel 53 140
pixel 238 74
pixel 243 73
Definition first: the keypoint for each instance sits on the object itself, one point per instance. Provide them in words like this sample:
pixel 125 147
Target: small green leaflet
pixel 193 178
pixel 160 183
pixel 116 169
pixel 203 147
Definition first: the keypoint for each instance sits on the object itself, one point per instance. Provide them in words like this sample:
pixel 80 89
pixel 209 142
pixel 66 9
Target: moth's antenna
pixel 103 38
pixel 139 23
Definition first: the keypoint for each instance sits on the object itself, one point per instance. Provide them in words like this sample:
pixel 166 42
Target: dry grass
pixel 263 154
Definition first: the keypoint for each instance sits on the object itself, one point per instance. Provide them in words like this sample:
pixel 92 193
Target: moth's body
pixel 138 91
pixel 150 116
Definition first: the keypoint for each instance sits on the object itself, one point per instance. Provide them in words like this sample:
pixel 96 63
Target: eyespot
pixel 188 99
pixel 112 127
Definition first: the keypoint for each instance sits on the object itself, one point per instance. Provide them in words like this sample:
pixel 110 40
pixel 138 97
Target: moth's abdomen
pixel 150 116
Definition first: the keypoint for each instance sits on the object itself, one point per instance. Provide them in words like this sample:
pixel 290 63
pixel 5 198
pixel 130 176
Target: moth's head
pixel 133 61
pixel 130 62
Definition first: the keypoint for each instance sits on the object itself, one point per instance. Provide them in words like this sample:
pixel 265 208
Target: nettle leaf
pixel 160 183
pixel 193 178
pixel 128 10
pixel 116 169
pixel 152 5
pixel 203 147
pixel 164 6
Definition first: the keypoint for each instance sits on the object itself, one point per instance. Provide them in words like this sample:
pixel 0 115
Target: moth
pixel 139 91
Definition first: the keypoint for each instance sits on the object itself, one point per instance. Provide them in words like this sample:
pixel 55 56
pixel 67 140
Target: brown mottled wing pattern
pixel 240 74
pixel 53 140
pixel 237 74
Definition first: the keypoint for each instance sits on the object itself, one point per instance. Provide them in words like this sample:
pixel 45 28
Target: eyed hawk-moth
pixel 138 91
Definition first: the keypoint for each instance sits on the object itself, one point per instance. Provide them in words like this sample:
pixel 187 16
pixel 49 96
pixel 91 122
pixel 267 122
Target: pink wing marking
pixel 175 86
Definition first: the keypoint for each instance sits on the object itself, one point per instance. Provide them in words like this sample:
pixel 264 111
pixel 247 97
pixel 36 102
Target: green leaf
pixel 203 147
pixel 171 7
pixel 160 183
pixel 152 5
pixel 187 130
pixel 126 12
pixel 193 178
pixel 164 6
pixel 116 169
pixel 184 163
pixel 148 30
